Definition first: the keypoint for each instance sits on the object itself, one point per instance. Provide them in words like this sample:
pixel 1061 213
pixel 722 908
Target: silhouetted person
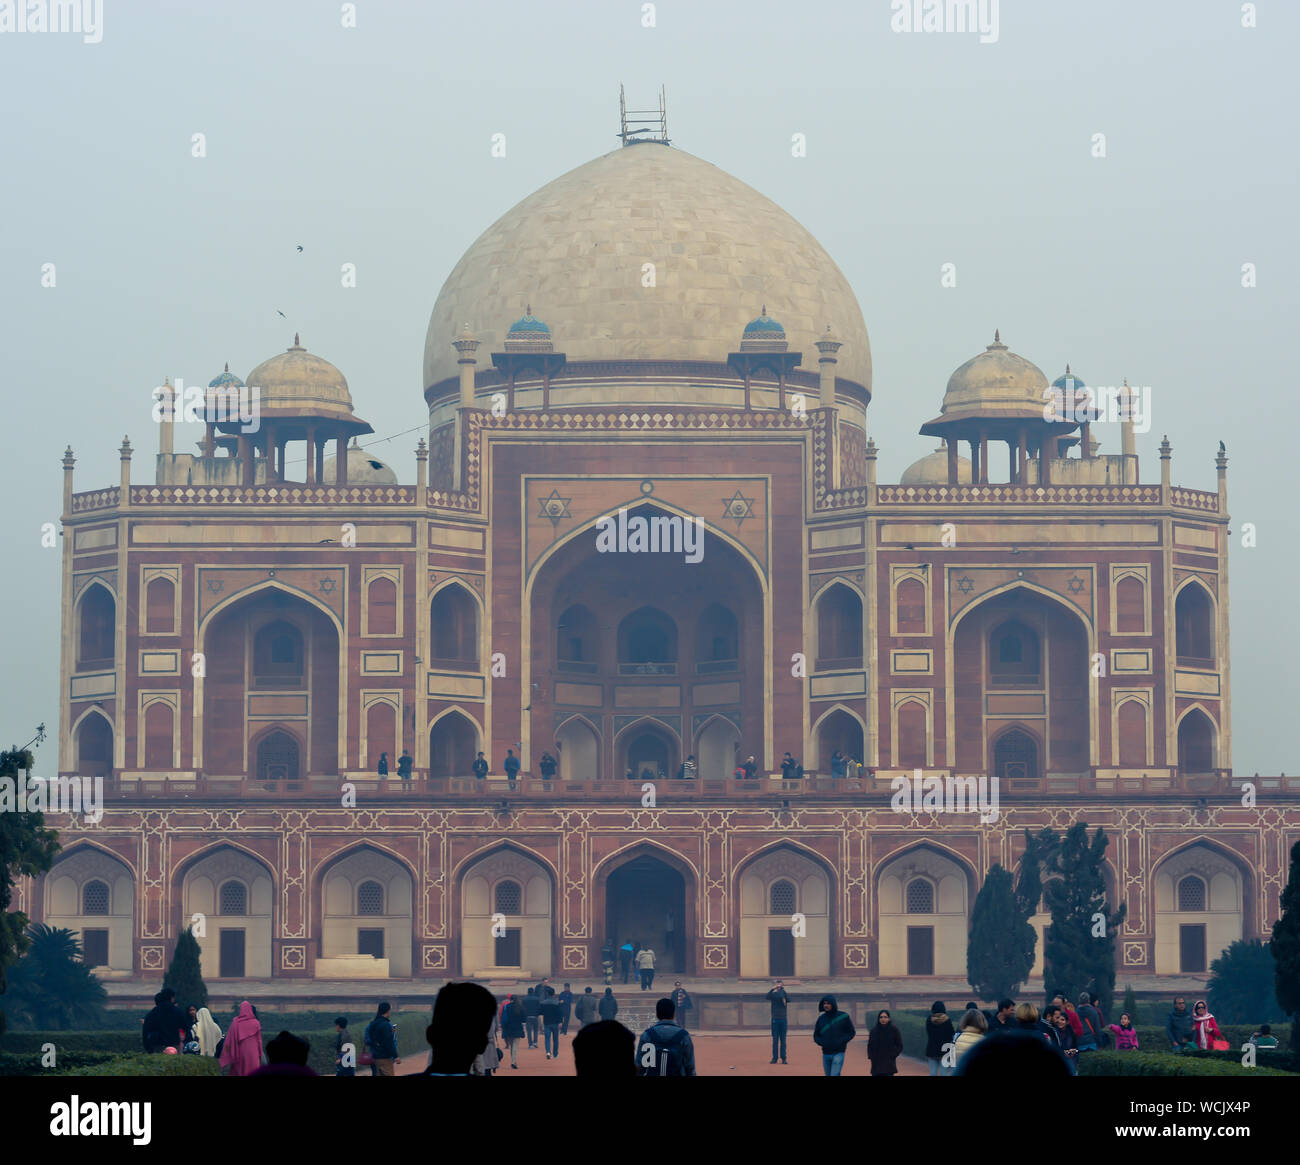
pixel 566 1009
pixel 1007 1057
pixel 286 1055
pixel 480 767
pixel 665 1048
pixel 547 766
pixel 461 1027
pixel 342 1037
pixel 511 765
pixel 166 1024
pixel 404 763
pixel 381 1039
pixel 532 1011
pixel 607 1008
pixel 382 770
pixel 604 1050
pixel 584 1008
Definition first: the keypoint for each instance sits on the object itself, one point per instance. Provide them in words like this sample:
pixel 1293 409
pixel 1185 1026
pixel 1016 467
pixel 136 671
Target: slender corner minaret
pixel 125 452
pixel 827 346
pixel 1221 464
pixel 68 463
pixel 1166 451
pixel 1128 436
pixel 167 423
pixel 421 473
pixel 466 345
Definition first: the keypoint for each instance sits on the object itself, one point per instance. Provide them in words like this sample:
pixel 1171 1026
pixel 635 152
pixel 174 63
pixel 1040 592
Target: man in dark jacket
pixel 832 1033
pixel 665 1049
pixel 1004 1019
pixel 566 1009
pixel 480 766
pixel 607 1008
pixel 532 1011
pixel 1180 1028
pixel 381 1039
pixel 551 1014
pixel 163 1026
pixel 584 1010
pixel 1091 1019
pixel 511 765
pixel 779 1001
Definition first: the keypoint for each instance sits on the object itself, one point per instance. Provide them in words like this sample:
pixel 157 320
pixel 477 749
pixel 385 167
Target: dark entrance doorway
pixel 1191 948
pixel 920 950
pixel 232 954
pixel 780 952
pixel 370 941
pixel 645 902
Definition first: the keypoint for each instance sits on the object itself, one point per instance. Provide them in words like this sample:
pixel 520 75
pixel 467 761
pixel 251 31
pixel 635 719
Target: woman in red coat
pixel 1204 1030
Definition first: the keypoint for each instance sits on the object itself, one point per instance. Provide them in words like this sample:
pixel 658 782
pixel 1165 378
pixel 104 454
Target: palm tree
pixel 51 988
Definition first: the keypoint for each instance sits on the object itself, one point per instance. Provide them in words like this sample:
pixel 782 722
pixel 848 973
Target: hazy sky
pixel 371 145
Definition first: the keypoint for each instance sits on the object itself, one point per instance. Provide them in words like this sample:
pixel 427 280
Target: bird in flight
pixel 300 248
pixel 281 314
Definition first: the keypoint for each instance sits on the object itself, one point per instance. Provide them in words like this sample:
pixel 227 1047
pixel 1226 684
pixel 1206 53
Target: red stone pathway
pixel 715 1055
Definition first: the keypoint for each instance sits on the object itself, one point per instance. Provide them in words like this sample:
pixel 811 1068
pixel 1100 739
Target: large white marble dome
pixel 575 250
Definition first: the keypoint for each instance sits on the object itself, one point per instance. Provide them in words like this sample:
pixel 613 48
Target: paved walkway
pixel 738 1054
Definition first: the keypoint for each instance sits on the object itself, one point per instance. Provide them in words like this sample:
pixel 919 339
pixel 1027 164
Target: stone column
pixel 1022 456
pixel 827 346
pixel 954 470
pixel 341 461
pixel 167 426
pixel 311 454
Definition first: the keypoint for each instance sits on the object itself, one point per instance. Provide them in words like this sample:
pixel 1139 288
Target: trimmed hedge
pixel 119 1043
pixel 146 1065
pixel 29 1063
pixel 1164 1064
pixel 411 1043
pixel 1152 1038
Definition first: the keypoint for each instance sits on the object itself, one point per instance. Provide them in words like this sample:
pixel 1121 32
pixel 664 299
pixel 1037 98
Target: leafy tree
pixel 1241 986
pixel 185 975
pixel 1285 945
pixel 1131 1005
pixel 1000 953
pixel 27 849
pixel 1079 947
pixel 51 988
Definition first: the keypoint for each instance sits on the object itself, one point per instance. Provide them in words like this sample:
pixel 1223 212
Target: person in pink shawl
pixel 1204 1030
pixel 242 1053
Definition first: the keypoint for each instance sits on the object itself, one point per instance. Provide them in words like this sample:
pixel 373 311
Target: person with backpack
pixel 665 1049
pixel 381 1042
pixel 584 1008
pixel 512 1027
pixel 607 1008
pixel 832 1033
pixel 884 1045
pixel 1090 1018
pixel 938 1032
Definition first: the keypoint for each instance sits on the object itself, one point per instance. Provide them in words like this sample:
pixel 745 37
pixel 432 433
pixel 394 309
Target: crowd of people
pixel 466 1016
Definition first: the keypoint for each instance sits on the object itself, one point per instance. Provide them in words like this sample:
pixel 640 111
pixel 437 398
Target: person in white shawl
pixel 208 1031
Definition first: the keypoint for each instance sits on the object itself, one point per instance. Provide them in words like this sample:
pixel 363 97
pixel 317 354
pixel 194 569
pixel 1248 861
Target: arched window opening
pixel 920 896
pixel 94 898
pixel 233 898
pixel 782 897
pixel 370 898
pixel 1194 627
pixel 1014 656
pixel 277 757
pixel 507 898
pixel 839 629
pixel 278 656
pixel 647 643
pixel 453 627
pixel 1191 893
pixel 1015 756
pixel 577 641
pixel 98 614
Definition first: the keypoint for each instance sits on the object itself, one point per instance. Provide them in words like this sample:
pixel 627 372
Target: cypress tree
pixel 1079 947
pixel 185 975
pixel 999 955
pixel 1285 945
